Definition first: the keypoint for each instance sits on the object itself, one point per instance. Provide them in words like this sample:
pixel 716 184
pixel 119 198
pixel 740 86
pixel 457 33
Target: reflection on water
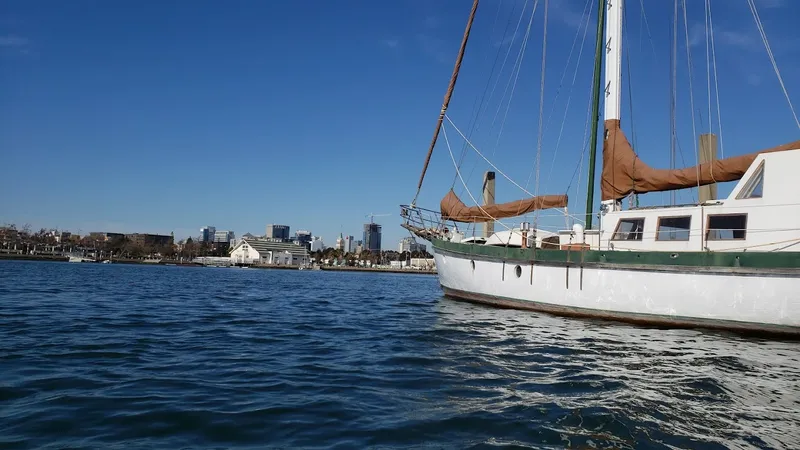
pixel 114 356
pixel 596 381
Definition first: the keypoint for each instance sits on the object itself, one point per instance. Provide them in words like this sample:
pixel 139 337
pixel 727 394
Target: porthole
pixel 518 271
pixel 472 263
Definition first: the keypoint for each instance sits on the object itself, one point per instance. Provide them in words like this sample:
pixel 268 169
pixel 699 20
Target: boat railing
pixel 425 223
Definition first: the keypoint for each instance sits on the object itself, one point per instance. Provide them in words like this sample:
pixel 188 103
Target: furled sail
pixel 624 173
pixel 454 209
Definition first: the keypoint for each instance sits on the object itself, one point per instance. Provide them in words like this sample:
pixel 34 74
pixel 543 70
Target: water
pixel 115 356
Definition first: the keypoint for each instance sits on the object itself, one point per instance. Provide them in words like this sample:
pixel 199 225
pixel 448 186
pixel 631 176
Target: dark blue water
pixel 115 356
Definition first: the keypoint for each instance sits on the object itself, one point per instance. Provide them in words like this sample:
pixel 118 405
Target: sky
pixel 167 116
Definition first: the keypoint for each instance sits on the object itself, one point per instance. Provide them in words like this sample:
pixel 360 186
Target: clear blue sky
pixel 160 116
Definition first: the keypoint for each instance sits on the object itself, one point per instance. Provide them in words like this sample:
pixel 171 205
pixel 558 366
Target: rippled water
pixel 113 356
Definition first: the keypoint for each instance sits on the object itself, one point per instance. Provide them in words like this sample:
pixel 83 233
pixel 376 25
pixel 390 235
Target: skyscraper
pixel 207 234
pixel 302 238
pixel 349 244
pixel 277 232
pixel 372 237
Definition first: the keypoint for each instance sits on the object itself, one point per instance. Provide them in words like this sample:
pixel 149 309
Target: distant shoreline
pixel 376 269
pixel 23 257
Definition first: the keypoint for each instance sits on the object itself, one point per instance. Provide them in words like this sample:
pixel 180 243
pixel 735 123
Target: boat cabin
pixel 762 212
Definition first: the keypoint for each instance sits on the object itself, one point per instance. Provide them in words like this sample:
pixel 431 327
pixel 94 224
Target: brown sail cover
pixel 624 173
pixel 454 209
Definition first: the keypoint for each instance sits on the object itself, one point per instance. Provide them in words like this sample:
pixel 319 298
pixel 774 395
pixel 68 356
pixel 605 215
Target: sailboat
pixel 731 264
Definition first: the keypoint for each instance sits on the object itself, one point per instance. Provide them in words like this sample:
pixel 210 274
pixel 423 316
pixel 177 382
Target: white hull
pixel 768 303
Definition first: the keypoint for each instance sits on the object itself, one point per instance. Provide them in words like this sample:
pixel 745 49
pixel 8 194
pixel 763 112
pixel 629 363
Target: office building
pixel 349 244
pixel 372 237
pixel 277 232
pixel 409 244
pixel 207 234
pixel 104 236
pixel 223 236
pixel 316 244
pixel 155 240
pixel 303 238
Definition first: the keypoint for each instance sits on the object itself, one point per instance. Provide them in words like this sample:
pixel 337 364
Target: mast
pixel 613 60
pixel 612 131
pixel 447 96
pixel 673 92
pixel 598 64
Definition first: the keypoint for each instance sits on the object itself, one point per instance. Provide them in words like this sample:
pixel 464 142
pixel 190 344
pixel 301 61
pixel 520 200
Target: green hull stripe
pixel 752 260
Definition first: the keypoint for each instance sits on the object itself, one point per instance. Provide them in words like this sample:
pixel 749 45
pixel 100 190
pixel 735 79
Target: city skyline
pixel 212 230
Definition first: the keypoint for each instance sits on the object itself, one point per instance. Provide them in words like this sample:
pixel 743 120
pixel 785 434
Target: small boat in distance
pixel 75 258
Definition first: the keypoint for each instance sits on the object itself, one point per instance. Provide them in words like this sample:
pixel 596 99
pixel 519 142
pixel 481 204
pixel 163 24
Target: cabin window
pixel 726 227
pixel 629 230
pixel 674 228
pixel 755 185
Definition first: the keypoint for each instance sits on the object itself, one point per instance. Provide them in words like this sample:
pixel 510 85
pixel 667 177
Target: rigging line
pixel 691 91
pixel 541 106
pixel 472 146
pixel 589 3
pixel 649 34
pixel 447 96
pixel 569 60
pixel 716 79
pixel 673 93
pixel 760 26
pixel 708 64
pixel 497 80
pixel 485 158
pixel 516 61
pixel 518 67
pixel 627 54
pixel 585 138
pixel 450 121
pixel 541 112
pixel 708 78
pixel 520 58
pixel 579 168
pixel 458 172
pixel 478 105
pixel 482 109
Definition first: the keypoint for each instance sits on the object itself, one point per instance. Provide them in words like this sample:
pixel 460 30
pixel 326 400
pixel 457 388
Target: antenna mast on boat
pixel 598 64
pixel 447 96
